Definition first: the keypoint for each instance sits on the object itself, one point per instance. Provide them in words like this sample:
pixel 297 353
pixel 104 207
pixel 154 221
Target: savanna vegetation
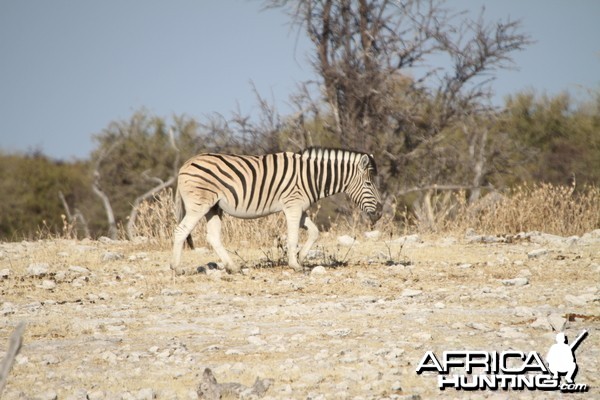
pixel 447 158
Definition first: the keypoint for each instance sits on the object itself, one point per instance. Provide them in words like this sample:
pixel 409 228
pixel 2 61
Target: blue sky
pixel 70 67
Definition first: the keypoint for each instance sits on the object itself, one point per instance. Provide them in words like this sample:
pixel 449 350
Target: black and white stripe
pixel 254 186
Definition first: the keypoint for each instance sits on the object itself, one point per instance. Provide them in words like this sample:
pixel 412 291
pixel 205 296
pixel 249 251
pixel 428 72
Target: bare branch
pixel 14 346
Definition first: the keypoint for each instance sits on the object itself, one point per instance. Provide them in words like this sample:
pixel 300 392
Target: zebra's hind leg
pixel 213 236
pixel 182 231
pixel 313 235
pixel 293 217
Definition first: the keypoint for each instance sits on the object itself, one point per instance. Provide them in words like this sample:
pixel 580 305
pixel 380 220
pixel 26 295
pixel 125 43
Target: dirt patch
pixel 109 319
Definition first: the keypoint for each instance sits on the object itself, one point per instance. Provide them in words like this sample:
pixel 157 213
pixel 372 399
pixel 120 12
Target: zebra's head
pixel 364 191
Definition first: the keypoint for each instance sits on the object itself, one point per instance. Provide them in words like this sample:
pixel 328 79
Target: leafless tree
pixel 374 60
pixel 110 215
pixel 160 185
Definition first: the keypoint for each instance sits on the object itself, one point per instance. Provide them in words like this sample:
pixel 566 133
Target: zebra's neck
pixel 328 171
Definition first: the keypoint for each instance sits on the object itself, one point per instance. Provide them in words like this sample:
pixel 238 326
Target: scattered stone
pixel 340 332
pixel 314 253
pixel 96 395
pixel 145 394
pixel 557 322
pixel 411 292
pixel 76 269
pixel 256 340
pixel 48 285
pixel 541 323
pixel 346 240
pixel 38 269
pixel 111 256
pixel 210 389
pixel 48 395
pixel 521 281
pixel 7 308
pixel 537 253
pixel 171 292
pixel 4 273
pixel 318 270
pixel 478 326
pixel 254 331
pixel 508 332
pixel 408 239
pixel 447 241
pixel 373 234
pixel 580 300
pixel 396 386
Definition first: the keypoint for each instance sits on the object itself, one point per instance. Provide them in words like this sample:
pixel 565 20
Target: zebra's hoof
pixel 233 269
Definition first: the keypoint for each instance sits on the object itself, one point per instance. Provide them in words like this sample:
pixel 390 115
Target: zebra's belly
pixel 248 213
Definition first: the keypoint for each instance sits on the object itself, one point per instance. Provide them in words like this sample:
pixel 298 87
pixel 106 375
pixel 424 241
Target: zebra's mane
pixel 315 151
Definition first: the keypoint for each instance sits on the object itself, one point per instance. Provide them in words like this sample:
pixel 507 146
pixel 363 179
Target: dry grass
pixel 156 221
pixel 559 210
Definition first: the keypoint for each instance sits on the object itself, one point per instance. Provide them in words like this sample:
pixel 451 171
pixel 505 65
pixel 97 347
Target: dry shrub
pixel 560 210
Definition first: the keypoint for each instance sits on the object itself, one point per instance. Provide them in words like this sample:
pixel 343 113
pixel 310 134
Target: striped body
pixel 255 186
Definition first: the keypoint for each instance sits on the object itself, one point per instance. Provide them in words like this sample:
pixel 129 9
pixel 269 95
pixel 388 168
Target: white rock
pixel 346 240
pixel 318 270
pixel 171 292
pixel 145 394
pixel 314 253
pixel 48 395
pixel 340 332
pixel 7 308
pixel 111 256
pixel 96 395
pixel 373 234
pixel 541 323
pixel 76 269
pixel 254 331
pixel 256 340
pixel 37 269
pixel 537 253
pixel 580 300
pixel 478 326
pixel 509 332
pixel 4 273
pixel 521 281
pixel 410 292
pixel 48 285
pixel 557 321
pixel 409 239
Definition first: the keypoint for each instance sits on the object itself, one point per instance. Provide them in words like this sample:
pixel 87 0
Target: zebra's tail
pixel 180 213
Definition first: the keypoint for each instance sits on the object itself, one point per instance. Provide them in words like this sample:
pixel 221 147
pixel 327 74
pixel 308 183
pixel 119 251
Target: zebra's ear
pixel 364 162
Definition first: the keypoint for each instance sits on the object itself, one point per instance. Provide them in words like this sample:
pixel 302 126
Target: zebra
pixel 252 186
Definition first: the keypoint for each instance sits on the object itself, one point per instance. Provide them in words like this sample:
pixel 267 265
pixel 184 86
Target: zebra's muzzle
pixel 376 215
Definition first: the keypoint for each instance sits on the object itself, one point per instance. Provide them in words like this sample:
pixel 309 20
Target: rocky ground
pixel 108 319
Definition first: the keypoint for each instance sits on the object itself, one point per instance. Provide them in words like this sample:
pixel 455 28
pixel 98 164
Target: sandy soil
pixel 109 320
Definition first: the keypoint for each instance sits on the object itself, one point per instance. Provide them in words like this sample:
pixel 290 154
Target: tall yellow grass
pixel 559 210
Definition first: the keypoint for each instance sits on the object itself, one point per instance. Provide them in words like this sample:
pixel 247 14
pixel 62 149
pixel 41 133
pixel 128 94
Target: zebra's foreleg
pixel 213 236
pixel 313 235
pixel 293 217
pixel 182 231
